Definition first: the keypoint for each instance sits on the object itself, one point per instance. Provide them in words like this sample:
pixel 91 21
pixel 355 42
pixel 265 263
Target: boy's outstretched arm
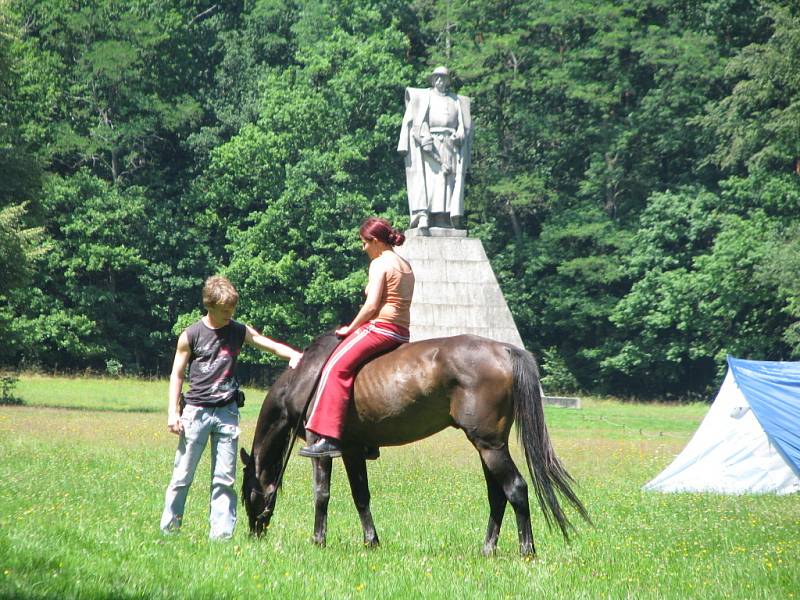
pixel 182 354
pixel 254 338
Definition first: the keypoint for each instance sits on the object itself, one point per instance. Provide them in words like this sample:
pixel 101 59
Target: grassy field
pixel 83 489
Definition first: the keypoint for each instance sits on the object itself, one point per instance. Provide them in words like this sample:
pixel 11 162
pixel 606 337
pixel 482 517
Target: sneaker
pixel 321 448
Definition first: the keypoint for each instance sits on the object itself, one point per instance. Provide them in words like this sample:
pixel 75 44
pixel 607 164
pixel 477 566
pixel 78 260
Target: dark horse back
pixel 424 387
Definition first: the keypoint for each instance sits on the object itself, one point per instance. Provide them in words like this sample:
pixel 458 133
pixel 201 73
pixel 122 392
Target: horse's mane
pixel 288 397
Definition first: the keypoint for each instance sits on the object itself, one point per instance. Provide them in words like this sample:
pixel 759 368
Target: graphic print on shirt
pixel 225 384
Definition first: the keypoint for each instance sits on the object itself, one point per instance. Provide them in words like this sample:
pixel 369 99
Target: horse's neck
pixel 269 449
pixel 288 398
pixel 307 375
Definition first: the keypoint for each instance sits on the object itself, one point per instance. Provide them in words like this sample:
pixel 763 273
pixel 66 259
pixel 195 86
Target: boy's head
pixel 218 292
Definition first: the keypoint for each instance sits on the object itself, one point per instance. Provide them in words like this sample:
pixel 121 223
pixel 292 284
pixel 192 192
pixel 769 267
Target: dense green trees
pixel 636 173
pixel 20 177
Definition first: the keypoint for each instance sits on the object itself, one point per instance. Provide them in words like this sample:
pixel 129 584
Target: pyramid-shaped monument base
pixel 456 291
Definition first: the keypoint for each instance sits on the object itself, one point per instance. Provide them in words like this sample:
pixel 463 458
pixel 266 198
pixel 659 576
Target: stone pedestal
pixel 456 291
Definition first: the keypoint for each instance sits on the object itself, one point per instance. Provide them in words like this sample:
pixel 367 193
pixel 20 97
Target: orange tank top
pixel 396 301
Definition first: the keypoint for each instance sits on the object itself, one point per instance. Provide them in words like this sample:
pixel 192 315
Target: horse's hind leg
pixel 356 468
pixel 497 508
pixel 505 473
pixel 322 494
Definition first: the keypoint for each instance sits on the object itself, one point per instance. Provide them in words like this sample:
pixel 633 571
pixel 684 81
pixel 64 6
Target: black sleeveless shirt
pixel 212 365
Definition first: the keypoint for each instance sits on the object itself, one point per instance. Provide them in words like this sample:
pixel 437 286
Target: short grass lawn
pixel 85 462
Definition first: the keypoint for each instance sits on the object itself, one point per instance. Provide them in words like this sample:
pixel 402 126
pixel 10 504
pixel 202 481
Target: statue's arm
pixel 416 108
pixel 405 128
pixel 465 120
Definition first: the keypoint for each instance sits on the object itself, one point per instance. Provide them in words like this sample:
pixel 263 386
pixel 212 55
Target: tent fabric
pixel 749 440
pixel 773 391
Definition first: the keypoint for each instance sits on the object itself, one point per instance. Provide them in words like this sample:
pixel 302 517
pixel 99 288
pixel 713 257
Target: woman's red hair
pixel 376 228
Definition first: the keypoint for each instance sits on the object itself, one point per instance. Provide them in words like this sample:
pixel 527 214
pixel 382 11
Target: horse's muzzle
pixel 261 523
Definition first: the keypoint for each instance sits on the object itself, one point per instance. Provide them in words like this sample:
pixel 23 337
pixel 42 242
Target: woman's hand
pixel 343 331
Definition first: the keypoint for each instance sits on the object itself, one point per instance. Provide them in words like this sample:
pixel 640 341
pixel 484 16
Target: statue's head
pixel 440 79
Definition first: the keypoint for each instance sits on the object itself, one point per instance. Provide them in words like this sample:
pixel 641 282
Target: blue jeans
pixel 221 424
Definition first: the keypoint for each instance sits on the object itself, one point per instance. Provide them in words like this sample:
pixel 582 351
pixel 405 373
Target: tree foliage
pixel 635 178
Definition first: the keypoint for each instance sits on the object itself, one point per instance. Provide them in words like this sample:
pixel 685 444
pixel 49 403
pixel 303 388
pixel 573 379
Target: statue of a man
pixel 436 139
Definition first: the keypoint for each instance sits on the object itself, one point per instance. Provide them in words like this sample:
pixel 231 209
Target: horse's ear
pixel 244 456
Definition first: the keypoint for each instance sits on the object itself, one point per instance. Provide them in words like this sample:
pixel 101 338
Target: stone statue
pixel 436 139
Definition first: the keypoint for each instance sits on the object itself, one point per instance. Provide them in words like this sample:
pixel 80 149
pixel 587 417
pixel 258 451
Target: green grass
pixel 124 394
pixel 83 489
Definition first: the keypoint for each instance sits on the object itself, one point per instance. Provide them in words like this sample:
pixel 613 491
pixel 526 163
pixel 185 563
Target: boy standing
pixel 210 348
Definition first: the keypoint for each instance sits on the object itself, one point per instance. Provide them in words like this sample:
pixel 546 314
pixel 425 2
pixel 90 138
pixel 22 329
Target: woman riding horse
pixel 380 326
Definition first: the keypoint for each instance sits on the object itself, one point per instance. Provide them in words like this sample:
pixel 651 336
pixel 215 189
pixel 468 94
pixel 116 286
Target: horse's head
pixel 258 498
pixel 260 479
pixel 280 413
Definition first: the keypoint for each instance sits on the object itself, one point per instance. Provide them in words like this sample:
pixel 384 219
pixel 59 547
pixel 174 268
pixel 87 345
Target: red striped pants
pixel 338 375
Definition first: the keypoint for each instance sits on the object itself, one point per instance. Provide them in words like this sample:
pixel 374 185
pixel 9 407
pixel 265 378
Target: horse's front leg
pixel 322 494
pixel 356 467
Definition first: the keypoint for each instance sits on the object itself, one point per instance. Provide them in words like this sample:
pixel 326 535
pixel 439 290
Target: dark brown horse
pixel 471 383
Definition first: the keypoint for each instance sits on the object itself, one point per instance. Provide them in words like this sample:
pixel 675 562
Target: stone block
pixel 562 401
pixel 456 290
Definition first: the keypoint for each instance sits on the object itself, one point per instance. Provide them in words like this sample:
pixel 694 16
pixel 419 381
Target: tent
pixel 749 442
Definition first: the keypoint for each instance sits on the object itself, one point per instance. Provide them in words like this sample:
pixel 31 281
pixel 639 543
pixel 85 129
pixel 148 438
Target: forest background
pixel 635 178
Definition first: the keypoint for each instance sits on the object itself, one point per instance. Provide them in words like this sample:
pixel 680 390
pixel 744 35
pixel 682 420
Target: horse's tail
pixel 547 472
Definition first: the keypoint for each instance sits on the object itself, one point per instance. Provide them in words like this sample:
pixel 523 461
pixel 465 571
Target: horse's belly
pixel 392 422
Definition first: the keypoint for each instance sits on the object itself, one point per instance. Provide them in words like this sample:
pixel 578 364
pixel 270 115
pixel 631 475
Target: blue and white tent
pixel 749 442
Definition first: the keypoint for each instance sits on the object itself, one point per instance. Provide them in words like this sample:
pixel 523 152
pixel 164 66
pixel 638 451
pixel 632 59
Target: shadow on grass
pixel 11 401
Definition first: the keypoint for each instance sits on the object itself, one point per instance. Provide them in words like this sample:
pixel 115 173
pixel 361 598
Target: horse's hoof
pixel 371 544
pixel 319 543
pixel 489 551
